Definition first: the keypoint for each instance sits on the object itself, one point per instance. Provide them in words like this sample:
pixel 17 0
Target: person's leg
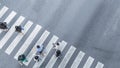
pixel 20 62
pixel 22 28
pixel 7 28
pixel 36 60
pixel 57 54
pixel 41 53
pixel 21 31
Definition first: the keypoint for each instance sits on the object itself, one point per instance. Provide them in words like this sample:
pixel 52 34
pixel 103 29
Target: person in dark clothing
pixel 37 58
pixel 3 25
pixel 58 53
pixel 22 58
pixel 19 29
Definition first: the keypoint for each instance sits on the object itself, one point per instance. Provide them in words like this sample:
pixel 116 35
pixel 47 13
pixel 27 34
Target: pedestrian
pixel 58 53
pixel 19 29
pixel 40 49
pixel 3 25
pixel 56 45
pixel 22 58
pixel 36 58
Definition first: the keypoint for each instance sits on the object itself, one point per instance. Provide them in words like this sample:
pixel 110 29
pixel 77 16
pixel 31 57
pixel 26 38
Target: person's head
pixel 57 43
pixel 36 57
pixel 38 46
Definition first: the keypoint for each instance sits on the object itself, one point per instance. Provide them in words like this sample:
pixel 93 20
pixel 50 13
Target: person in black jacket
pixel 58 53
pixel 19 28
pixel 3 25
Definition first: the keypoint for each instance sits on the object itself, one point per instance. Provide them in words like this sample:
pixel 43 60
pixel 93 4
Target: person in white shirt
pixel 56 45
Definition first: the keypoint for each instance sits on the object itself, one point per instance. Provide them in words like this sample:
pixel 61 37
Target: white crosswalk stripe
pixel 11 31
pixel 3 11
pixel 39 42
pixel 28 41
pixel 48 48
pixel 18 38
pixel 88 62
pixel 9 18
pixel 67 57
pixel 99 65
pixel 78 60
pixel 54 59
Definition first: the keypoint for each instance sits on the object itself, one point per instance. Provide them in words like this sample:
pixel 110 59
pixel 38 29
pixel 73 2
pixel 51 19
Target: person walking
pixel 56 45
pixel 22 58
pixel 3 25
pixel 37 58
pixel 19 29
pixel 58 53
pixel 40 49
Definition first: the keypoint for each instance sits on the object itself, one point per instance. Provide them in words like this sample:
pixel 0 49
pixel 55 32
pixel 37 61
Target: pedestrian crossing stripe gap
pixel 44 36
pixel 18 38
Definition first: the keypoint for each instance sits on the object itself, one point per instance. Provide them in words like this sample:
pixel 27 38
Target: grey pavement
pixel 91 26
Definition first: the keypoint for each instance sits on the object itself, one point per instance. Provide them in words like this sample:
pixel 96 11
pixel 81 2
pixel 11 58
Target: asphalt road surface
pixel 91 26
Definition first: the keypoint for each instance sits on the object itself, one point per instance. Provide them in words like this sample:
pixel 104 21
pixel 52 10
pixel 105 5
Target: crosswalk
pixel 42 39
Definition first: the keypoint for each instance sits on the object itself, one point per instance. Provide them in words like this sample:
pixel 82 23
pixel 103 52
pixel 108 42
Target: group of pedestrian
pixel 4 26
pixel 40 52
pixel 22 58
pixel 39 48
